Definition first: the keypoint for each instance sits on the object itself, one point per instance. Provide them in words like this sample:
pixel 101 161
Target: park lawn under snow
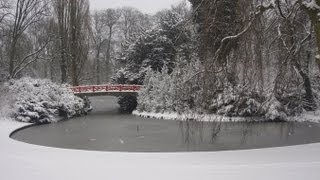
pixel 19 160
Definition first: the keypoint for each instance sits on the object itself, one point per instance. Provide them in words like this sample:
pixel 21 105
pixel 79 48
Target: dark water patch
pixel 107 130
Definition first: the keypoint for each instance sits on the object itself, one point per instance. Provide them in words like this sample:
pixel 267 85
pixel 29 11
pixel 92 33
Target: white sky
pixel 146 6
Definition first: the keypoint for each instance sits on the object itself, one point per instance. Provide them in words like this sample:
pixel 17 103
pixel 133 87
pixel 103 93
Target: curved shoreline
pixel 20 129
pixel 30 125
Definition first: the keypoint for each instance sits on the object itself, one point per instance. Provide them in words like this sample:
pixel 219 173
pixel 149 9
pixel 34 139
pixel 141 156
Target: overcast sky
pixel 146 6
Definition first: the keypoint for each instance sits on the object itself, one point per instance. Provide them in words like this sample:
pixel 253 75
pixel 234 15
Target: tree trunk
pixel 316 24
pixel 62 36
pixel 98 80
pixel 108 58
pixel 12 56
pixel 310 106
pixel 73 42
pixel 259 55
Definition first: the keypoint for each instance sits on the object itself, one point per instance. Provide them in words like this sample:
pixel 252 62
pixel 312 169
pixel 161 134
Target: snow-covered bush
pixel 158 94
pixel 40 101
pixel 232 103
pixel 169 92
pixel 127 103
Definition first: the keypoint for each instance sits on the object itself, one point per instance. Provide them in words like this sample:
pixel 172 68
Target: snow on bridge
pixel 106 90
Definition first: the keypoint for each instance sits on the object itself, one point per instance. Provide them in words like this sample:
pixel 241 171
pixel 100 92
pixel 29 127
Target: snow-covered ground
pixel 19 160
pixel 183 117
pixel 313 116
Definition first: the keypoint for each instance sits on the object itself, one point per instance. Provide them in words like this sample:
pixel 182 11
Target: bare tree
pixel 100 39
pixel 79 34
pixel 27 13
pixel 62 14
pixel 294 20
pixel 5 8
pixel 132 22
pixel 73 19
pixel 111 18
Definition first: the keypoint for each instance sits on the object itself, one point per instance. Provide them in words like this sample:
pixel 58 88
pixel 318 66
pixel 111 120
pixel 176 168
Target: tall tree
pixel 4 14
pixel 294 20
pixel 27 12
pixel 313 9
pixel 73 23
pixel 219 31
pixel 100 39
pixel 132 22
pixel 111 18
pixel 61 13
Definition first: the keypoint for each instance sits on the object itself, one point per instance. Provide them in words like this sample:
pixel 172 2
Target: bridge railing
pixel 105 88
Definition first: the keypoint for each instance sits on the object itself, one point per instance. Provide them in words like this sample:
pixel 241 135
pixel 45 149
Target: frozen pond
pixel 107 130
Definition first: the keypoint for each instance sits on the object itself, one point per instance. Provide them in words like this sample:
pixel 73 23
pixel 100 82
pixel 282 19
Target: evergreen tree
pixel 157 48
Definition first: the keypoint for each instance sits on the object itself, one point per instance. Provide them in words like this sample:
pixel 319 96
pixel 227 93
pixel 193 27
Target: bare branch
pixel 20 66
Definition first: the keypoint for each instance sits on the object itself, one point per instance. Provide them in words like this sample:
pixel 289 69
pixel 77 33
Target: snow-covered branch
pixel 25 63
pixel 311 5
pixel 260 10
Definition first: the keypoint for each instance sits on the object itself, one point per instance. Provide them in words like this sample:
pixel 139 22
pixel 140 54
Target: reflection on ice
pixel 241 134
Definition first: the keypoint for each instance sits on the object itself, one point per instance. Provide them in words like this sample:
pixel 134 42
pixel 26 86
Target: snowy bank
pixel 313 116
pixel 184 117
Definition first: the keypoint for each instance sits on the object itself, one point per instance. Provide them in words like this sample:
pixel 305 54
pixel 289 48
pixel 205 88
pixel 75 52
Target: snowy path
pixel 24 161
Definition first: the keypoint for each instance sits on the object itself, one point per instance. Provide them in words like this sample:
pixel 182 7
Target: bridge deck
pixel 117 94
pixel 106 90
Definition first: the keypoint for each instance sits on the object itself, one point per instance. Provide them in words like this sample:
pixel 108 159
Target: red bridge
pixel 106 90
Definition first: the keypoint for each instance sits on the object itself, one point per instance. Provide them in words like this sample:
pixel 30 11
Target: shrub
pixel 127 103
pixel 40 101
